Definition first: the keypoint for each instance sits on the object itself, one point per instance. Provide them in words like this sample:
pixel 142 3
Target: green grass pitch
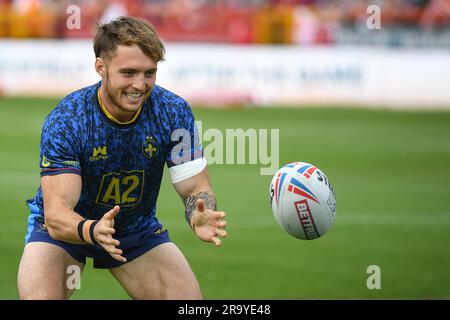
pixel 390 171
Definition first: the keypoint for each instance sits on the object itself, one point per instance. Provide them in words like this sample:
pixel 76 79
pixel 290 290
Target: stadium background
pixel 387 158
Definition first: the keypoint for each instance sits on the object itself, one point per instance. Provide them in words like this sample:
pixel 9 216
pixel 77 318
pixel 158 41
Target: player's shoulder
pixel 168 100
pixel 75 105
pixel 171 107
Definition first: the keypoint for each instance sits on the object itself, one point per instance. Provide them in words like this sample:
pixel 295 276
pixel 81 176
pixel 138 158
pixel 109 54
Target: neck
pixel 115 115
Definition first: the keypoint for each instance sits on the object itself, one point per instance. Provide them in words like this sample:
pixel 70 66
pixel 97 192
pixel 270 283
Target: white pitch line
pixel 366 219
pixel 25 179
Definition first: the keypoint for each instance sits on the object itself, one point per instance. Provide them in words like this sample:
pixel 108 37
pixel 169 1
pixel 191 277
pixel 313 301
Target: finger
pixel 221 224
pixel 108 231
pixel 221 233
pixel 219 214
pixel 112 213
pixel 200 205
pixel 110 241
pixel 112 250
pixel 216 241
pixel 119 258
pixel 101 229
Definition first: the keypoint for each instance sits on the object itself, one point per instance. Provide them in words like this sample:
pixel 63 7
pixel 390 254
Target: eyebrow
pixel 136 70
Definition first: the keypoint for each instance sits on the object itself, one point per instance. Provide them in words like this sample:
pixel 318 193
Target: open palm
pixel 208 224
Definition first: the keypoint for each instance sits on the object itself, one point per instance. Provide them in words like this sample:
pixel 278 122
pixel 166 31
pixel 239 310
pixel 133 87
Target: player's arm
pixel 61 194
pixel 201 208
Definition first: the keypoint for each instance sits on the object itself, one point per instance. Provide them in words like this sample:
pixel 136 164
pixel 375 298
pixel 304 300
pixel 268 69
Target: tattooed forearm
pixel 191 203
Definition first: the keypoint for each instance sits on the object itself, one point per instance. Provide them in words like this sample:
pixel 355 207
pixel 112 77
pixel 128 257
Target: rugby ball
pixel 303 200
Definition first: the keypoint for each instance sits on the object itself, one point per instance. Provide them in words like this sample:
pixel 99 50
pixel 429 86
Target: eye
pixel 127 73
pixel 150 74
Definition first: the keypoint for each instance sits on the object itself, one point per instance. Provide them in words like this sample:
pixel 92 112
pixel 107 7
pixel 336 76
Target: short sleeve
pixel 60 147
pixel 185 141
pixel 185 157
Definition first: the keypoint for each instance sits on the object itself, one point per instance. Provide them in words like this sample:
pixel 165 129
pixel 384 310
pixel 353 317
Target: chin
pixel 131 105
pixel 131 108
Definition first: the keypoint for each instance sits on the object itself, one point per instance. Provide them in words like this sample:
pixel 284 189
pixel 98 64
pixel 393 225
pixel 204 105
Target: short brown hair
pixel 128 31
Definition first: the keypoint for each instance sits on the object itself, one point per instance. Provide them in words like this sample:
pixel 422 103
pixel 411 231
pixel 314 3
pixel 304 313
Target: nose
pixel 139 83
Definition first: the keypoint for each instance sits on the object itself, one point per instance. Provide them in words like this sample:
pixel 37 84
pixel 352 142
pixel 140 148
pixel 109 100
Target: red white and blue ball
pixel 303 200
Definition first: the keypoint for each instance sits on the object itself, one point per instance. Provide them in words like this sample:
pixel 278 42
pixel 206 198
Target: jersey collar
pixel 110 116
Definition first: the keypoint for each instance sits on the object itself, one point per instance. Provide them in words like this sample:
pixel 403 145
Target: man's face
pixel 128 79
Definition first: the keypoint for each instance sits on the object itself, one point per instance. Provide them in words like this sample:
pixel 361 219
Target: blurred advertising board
pixel 223 75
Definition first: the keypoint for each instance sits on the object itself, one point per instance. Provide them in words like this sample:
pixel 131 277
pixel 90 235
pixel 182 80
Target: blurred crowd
pixel 230 21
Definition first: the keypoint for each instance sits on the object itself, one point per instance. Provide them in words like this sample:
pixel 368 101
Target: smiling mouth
pixel 134 96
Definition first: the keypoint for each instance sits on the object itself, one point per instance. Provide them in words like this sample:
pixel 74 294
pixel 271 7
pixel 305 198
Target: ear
pixel 100 67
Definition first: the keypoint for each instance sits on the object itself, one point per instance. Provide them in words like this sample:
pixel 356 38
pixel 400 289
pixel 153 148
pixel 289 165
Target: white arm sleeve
pixel 186 170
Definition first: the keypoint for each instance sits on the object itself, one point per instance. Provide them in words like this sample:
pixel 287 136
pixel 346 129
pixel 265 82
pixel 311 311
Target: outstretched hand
pixel 104 231
pixel 208 225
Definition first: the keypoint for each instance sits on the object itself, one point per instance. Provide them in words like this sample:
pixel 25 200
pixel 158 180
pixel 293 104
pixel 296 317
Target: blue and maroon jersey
pixel 119 164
